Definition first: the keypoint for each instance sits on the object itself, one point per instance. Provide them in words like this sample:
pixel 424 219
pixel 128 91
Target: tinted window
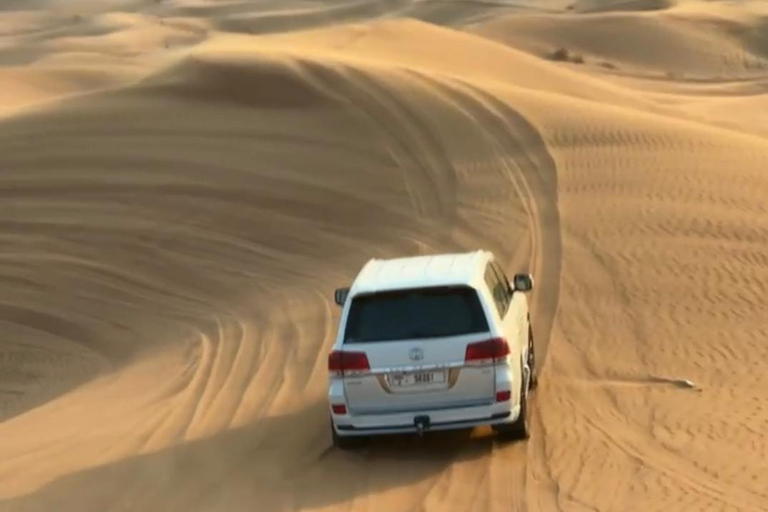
pixel 497 290
pixel 417 313
pixel 505 289
pixel 503 278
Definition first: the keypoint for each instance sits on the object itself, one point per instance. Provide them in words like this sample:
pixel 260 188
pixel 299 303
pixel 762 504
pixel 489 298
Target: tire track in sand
pixel 532 171
pixel 523 162
pixel 411 142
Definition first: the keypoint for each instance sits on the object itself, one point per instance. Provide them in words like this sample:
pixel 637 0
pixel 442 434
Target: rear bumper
pixel 441 419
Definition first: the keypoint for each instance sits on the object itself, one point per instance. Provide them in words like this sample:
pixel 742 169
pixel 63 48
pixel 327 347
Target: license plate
pixel 411 379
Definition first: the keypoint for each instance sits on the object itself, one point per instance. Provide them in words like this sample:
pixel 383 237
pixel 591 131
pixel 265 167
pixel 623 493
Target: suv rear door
pixel 415 343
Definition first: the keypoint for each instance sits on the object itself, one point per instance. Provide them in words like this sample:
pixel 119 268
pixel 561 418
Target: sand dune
pixel 184 183
pixel 684 43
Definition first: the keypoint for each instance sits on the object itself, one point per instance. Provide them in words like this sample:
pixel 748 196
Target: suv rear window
pixel 415 313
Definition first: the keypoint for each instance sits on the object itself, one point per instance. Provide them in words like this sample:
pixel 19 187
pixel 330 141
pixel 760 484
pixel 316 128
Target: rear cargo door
pixel 415 342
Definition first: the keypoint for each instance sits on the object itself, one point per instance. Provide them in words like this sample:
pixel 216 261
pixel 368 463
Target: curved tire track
pixel 524 163
pixel 533 173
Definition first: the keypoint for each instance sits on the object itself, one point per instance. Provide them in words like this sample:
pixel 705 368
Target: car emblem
pixel 416 354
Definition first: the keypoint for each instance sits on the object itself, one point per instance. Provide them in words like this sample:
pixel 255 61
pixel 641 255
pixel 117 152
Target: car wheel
pixel 534 380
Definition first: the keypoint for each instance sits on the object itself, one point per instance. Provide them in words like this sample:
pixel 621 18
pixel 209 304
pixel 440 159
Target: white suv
pixel 431 343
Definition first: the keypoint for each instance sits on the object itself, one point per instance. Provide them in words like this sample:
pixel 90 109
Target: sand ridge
pixel 184 182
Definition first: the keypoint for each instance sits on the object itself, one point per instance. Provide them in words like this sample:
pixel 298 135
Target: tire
pixel 346 442
pixel 534 381
pixel 518 430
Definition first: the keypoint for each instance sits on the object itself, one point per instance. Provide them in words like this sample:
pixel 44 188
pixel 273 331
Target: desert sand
pixel 183 183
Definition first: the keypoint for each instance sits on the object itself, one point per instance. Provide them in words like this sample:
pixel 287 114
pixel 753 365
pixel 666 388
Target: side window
pixel 498 290
pixel 504 279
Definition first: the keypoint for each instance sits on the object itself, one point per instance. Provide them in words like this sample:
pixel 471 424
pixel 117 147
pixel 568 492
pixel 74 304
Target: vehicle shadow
pixel 275 463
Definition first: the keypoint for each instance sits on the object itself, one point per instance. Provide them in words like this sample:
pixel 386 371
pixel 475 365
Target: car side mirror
pixel 340 295
pixel 522 283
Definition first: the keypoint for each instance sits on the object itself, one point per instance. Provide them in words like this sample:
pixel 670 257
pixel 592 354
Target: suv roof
pixel 421 271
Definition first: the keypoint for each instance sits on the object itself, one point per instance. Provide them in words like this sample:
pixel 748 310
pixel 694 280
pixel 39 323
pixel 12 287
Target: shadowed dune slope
pixel 170 246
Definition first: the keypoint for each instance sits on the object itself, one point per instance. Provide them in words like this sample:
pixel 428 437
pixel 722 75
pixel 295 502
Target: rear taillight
pixel 341 362
pixel 503 396
pixel 495 349
pixel 335 363
pixel 339 409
